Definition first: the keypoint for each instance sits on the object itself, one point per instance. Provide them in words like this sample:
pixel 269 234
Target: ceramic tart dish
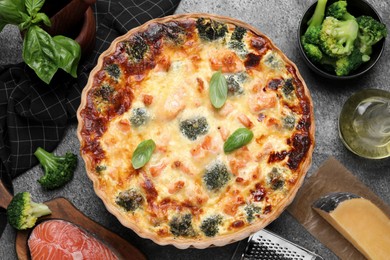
pixel 222 121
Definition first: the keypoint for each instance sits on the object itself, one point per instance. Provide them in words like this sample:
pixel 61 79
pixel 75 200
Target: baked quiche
pixel 195 130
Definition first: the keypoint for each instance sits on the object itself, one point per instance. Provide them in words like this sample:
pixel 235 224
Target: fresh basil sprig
pixel 218 89
pixel 41 52
pixel 143 153
pixel 239 138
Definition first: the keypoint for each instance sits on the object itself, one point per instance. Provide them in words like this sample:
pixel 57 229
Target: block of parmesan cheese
pixel 360 221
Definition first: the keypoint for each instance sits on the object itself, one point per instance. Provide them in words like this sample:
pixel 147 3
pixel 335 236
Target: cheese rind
pixel 361 222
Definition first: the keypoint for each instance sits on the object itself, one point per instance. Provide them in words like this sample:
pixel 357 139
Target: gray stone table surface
pixel 278 20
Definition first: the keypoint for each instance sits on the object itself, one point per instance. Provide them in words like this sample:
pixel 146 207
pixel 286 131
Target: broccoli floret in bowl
pixel 339 11
pixel 337 37
pixel 330 49
pixel 371 32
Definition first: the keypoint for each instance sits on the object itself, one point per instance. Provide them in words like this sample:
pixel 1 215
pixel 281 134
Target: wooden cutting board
pixel 332 176
pixel 63 209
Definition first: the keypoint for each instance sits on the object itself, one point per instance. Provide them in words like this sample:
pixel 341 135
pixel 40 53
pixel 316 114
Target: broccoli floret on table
pixel 216 176
pixel 211 30
pixel 210 225
pixel 58 169
pixel 130 199
pixel 194 127
pixel 182 226
pixel 22 212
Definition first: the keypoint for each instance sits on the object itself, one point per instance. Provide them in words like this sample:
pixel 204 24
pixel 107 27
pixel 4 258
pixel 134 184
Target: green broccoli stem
pixel 47 160
pixel 347 16
pixel 319 13
pixel 39 209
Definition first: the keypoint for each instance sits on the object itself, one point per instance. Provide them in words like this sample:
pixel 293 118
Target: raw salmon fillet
pixel 59 239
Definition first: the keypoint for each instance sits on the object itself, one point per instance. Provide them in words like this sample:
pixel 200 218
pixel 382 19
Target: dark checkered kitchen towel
pixel 33 114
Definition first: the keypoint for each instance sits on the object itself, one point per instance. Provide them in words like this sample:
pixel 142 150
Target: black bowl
pixel 356 8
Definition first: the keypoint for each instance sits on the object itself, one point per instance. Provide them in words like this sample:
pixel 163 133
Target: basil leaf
pixel 218 90
pixel 27 22
pixel 39 53
pixel 143 153
pixel 11 12
pixel 33 6
pixel 239 138
pixel 45 54
pixel 41 17
pixel 69 53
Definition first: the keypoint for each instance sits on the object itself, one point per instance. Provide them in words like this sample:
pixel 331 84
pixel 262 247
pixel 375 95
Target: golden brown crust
pixel 218 240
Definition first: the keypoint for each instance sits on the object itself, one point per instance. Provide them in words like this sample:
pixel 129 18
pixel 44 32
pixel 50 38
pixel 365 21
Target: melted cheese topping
pixel 172 183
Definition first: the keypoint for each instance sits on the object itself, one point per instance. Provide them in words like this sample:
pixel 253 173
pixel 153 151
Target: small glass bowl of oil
pixel 364 123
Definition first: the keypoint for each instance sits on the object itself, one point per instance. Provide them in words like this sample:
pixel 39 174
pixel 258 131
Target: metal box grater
pixel 265 245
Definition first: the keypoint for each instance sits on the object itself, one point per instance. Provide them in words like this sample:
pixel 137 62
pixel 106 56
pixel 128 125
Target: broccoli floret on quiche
pixel 210 225
pixel 100 168
pixel 139 116
pixel 216 176
pixel 130 200
pixel 175 33
pixel 251 212
pixel 289 122
pixel 136 48
pixel 113 70
pixel 182 226
pixel 238 34
pixel 234 83
pixel 288 87
pixel 104 92
pixel 275 179
pixel 194 127
pixel 211 30
pixel 273 61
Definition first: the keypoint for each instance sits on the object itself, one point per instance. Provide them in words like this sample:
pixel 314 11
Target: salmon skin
pixel 59 239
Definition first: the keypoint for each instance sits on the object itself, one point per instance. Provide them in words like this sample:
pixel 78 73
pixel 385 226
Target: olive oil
pixel 364 123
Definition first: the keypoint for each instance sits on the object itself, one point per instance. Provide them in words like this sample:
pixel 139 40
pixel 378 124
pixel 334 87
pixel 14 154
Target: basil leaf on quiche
pixel 143 153
pixel 238 139
pixel 218 90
